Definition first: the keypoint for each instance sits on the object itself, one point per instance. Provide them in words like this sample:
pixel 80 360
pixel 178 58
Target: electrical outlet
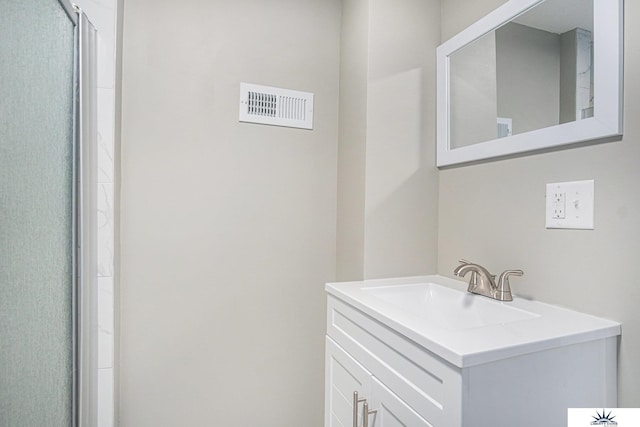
pixel 559 205
pixel 570 205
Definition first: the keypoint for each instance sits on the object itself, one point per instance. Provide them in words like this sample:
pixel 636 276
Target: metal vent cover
pixel 275 106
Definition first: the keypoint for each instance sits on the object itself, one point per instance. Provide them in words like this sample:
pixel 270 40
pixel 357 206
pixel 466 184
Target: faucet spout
pixel 484 283
pixel 481 281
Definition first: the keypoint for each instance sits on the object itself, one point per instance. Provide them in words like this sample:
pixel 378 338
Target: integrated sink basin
pixel 448 308
pixel 467 329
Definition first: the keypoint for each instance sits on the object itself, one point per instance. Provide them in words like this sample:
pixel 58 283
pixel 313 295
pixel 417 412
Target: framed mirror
pixel 531 75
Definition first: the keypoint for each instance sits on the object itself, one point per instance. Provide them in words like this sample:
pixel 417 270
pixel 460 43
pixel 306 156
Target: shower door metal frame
pixel 84 316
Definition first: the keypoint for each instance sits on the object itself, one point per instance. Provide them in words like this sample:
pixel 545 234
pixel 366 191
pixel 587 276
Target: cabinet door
pixel 390 410
pixel 343 376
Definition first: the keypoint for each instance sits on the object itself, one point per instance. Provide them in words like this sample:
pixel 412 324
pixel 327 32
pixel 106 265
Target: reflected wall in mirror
pixel 531 75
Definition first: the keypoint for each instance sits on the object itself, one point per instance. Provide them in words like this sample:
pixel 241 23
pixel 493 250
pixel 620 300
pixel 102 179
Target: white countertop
pixel 540 327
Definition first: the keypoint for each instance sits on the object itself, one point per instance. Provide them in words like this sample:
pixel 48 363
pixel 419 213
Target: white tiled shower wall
pixel 102 14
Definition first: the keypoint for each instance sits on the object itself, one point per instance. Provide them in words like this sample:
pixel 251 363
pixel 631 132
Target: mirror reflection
pixel 531 73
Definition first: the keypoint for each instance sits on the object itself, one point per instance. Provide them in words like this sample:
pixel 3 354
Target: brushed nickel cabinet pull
pixel 356 402
pixel 365 414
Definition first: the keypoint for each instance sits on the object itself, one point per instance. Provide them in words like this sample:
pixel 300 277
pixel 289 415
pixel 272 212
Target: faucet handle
pixel 503 290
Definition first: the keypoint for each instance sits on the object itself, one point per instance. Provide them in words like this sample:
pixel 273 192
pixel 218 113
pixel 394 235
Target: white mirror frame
pixel 608 80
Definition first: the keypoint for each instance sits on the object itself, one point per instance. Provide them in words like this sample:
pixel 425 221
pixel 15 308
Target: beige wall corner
pixel 387 218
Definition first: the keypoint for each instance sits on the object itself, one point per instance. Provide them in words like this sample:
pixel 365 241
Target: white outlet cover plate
pixel 579 205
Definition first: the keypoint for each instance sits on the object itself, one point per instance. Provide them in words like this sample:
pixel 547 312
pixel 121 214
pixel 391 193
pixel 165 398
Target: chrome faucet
pixel 482 282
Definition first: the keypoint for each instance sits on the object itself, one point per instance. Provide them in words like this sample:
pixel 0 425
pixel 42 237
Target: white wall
pixel 387 214
pixel 401 180
pixel 493 213
pixel 227 230
pixel 354 60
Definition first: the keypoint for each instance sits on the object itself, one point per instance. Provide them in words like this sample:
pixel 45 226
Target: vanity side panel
pixel 538 388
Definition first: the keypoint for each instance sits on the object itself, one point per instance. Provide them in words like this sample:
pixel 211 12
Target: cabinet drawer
pixel 427 383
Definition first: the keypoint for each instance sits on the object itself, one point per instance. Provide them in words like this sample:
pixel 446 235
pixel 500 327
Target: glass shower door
pixel 36 214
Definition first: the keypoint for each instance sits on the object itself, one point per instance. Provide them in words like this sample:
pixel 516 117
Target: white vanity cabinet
pixel 407 383
pixel 404 384
pixel 346 376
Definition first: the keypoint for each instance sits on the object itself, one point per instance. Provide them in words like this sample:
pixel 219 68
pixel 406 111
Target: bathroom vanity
pixel 421 351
